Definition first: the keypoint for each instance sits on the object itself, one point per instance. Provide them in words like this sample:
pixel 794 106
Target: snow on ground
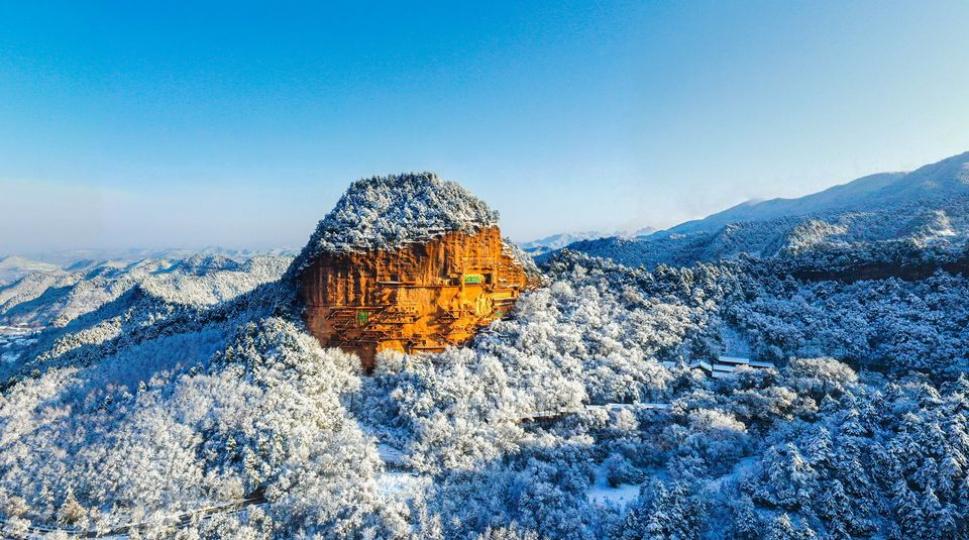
pixel 743 468
pixel 388 212
pixel 14 331
pixel 602 494
pixel 13 338
pixel 395 483
pixel 401 485
pixel 639 406
pixel 393 458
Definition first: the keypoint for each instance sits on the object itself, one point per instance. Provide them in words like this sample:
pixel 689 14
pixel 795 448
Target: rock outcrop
pixel 408 263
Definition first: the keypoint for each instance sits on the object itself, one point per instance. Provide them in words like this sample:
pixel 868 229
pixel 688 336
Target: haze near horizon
pixel 240 126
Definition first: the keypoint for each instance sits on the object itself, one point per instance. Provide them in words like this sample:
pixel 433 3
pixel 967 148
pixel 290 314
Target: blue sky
pixel 234 124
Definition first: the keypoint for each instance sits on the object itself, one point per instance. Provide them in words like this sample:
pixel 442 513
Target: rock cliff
pixel 418 264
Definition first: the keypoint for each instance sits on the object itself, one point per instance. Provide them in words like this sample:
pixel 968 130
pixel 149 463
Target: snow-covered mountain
pixel 925 207
pixel 169 407
pixel 72 259
pixel 558 241
pixel 861 193
pixel 14 267
pixel 641 232
pixel 55 296
pixel 386 212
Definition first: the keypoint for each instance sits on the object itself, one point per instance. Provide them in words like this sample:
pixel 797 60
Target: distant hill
pixel 925 207
pixel 187 397
pixel 561 240
pixel 13 268
pixel 72 259
pixel 558 241
pixel 53 296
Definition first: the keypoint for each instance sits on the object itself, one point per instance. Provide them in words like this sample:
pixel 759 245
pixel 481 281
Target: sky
pixel 170 124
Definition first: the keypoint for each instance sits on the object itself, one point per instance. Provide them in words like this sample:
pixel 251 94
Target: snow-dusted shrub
pixel 390 211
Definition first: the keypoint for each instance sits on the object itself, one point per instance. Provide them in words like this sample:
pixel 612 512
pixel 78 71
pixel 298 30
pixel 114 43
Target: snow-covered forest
pixel 818 390
pixel 872 216
pixel 595 270
pixel 579 416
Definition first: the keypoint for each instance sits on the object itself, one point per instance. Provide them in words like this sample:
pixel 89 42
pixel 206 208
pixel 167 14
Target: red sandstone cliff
pixel 418 297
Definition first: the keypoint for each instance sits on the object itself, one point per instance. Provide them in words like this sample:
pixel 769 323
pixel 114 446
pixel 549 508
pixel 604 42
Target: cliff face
pixel 418 297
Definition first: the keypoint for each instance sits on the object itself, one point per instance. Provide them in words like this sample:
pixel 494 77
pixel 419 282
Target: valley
pixel 740 394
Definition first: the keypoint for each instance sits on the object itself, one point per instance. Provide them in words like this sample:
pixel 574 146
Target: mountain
pixel 390 211
pixel 418 262
pixel 561 240
pixel 74 259
pixel 13 267
pixel 928 207
pixel 190 400
pixel 558 241
pixel 855 193
pixel 58 296
pixel 637 233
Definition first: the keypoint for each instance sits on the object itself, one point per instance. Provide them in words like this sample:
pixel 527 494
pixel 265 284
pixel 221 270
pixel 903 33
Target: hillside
pixel 591 410
pixel 13 268
pixel 928 207
pixel 55 297
pixel 558 241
